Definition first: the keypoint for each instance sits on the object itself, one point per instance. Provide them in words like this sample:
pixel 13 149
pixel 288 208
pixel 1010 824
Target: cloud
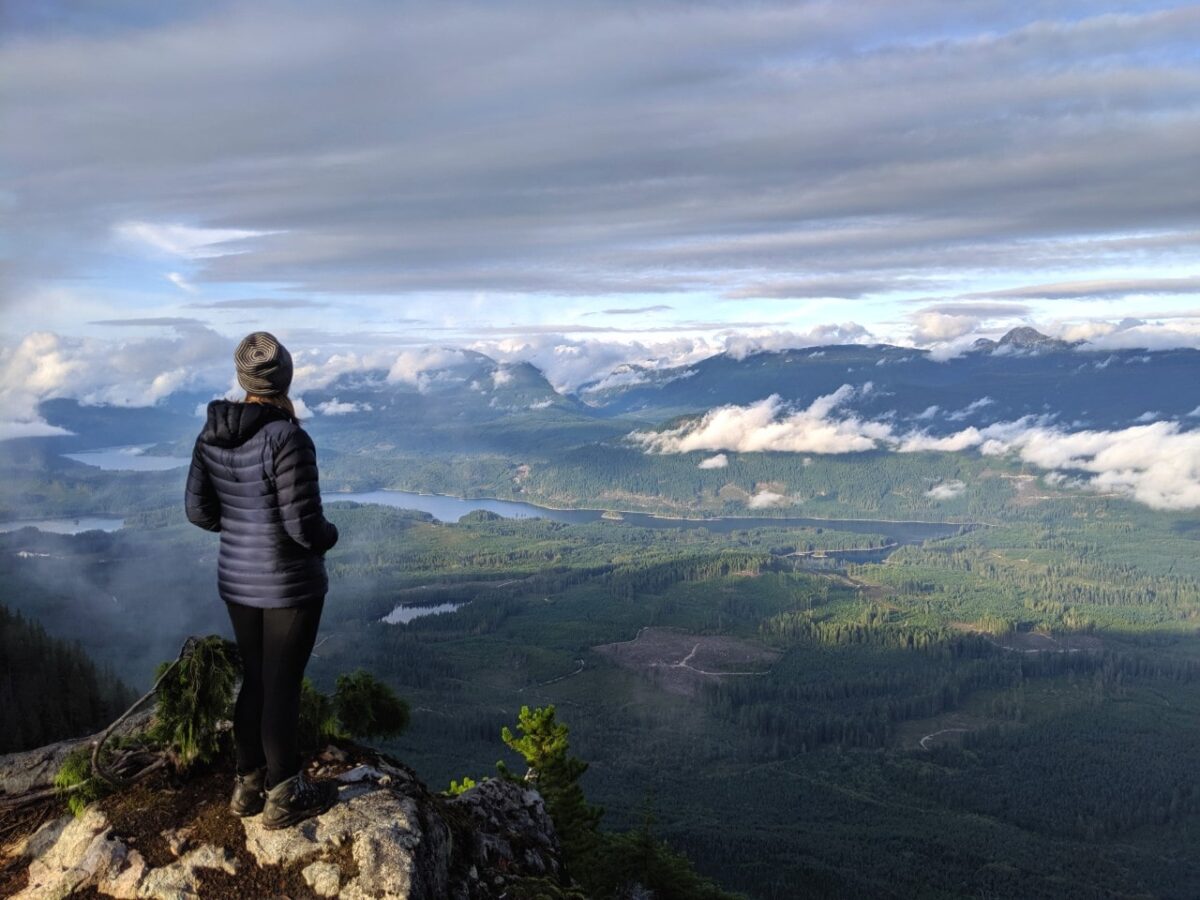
pixel 131 372
pixel 1157 464
pixel 970 409
pixel 741 345
pixel 418 367
pixel 1130 334
pixel 933 326
pixel 725 147
pixel 180 282
pixel 832 287
pixel 150 322
pixel 635 310
pixel 1099 289
pixel 11 430
pixel 768 500
pixel 976 308
pixel 271 303
pixel 337 407
pixel 186 241
pixel 720 461
pixel 769 426
pixel 947 490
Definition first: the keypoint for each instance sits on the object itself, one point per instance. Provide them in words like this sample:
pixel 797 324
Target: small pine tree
pixel 605 864
pixel 544 745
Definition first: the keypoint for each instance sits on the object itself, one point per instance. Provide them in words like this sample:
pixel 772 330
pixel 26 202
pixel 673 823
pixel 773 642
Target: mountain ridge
pixel 474 403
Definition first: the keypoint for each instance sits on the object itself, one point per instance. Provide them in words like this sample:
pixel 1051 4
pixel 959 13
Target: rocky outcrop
pixel 32 769
pixel 388 836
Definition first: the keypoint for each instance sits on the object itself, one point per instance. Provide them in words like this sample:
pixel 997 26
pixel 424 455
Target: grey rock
pixel 324 878
pixel 68 853
pixel 31 769
pixel 396 856
pixel 181 879
pixel 406 843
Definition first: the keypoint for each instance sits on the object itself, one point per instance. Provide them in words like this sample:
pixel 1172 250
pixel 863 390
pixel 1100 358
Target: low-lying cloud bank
pixel 189 355
pixel 1157 464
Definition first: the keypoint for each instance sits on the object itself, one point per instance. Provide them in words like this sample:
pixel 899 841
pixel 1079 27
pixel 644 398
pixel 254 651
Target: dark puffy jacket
pixel 253 478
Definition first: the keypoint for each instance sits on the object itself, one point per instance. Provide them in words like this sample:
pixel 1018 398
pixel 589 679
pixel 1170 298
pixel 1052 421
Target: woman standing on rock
pixel 253 478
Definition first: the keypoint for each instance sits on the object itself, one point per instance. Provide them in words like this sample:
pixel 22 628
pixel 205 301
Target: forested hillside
pixel 49 689
pixel 859 729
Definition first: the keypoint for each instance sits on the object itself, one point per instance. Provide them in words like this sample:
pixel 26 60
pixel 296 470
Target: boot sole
pixel 299 816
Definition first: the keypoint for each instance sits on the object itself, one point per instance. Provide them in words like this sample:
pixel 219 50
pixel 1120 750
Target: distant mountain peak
pixel 1023 338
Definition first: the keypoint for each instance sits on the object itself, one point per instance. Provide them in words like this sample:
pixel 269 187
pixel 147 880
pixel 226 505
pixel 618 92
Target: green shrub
pixel 367 707
pixel 75 781
pixel 193 698
pixel 362 707
pixel 319 722
pixel 457 787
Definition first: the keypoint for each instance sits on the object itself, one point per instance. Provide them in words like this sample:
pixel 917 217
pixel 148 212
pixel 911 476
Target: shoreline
pixel 638 512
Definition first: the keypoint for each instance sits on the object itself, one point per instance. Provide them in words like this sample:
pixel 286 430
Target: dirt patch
pixel 680 662
pixel 14 876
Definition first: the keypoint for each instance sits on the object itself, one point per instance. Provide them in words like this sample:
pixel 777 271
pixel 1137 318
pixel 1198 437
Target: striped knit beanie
pixel 264 365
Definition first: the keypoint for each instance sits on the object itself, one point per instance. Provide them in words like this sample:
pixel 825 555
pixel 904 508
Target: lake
pixel 69 525
pixel 451 509
pixel 128 459
pixel 402 613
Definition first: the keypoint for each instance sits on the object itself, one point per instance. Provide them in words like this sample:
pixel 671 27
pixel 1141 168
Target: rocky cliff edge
pixel 388 837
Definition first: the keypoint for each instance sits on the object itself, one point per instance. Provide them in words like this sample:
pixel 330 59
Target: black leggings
pixel 275 645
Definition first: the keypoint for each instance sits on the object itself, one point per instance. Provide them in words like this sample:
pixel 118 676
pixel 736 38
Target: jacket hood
pixel 231 424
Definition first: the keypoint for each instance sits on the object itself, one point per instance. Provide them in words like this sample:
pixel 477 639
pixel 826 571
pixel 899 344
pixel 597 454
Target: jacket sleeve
pixel 200 498
pixel 299 493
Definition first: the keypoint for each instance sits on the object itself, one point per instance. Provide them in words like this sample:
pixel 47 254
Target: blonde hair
pixel 281 401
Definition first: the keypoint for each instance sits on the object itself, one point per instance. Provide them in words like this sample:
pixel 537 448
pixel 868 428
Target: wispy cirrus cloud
pixel 187 241
pixel 267 303
pixel 632 310
pixel 1105 289
pixel 773 150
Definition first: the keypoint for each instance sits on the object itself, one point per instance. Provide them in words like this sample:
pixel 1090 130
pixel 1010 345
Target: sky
pixel 583 184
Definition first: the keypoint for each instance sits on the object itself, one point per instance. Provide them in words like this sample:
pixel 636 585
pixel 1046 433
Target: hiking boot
pixel 249 792
pixel 297 798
